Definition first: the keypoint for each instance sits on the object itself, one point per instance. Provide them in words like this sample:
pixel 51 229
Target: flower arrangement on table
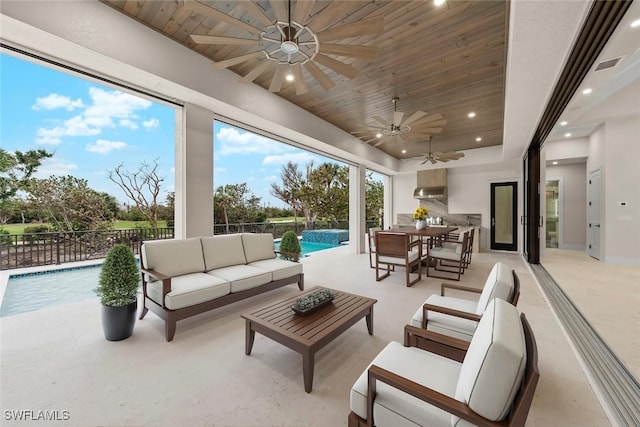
pixel 420 214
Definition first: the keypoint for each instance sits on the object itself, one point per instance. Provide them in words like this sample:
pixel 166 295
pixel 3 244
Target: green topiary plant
pixel 290 246
pixel 119 277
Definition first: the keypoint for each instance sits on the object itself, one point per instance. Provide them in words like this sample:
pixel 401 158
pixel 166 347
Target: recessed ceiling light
pixel 378 135
pixel 404 151
pixel 439 2
pixel 478 139
pixel 563 123
pixel 289 77
pixel 635 24
pixel 568 134
pixel 554 163
pixel 471 115
pixel 587 91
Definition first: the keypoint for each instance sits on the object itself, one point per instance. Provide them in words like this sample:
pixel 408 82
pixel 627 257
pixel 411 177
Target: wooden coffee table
pixel 309 333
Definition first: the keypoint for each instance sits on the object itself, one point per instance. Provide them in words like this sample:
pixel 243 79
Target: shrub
pixel 290 246
pixel 119 277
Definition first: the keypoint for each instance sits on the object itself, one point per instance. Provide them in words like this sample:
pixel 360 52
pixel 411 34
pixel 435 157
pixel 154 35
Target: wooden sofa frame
pixel 171 317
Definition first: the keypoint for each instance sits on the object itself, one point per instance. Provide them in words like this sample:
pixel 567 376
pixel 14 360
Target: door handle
pixel 596 225
pixel 521 219
pixel 540 221
pixel 493 222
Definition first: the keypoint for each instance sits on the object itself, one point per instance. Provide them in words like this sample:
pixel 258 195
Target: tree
pixel 142 187
pixel 16 170
pixel 374 200
pixel 294 191
pixel 236 204
pixel 69 204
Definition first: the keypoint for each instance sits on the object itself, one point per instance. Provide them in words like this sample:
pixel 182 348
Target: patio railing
pixel 36 249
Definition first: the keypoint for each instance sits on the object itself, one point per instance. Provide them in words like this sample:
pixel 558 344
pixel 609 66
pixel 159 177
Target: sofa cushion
pixel 452 326
pixel 222 251
pixel 279 268
pixel 189 289
pixel 258 246
pixel 173 257
pixel 499 284
pixel 395 408
pixel 494 365
pixel 242 277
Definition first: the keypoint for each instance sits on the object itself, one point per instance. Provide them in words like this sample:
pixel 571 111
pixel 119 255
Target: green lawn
pixel 19 228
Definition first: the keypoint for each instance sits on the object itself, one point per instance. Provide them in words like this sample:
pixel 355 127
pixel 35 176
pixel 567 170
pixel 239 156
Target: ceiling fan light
pixel 289 47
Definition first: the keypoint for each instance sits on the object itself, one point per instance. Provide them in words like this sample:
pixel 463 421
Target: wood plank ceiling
pixel 447 59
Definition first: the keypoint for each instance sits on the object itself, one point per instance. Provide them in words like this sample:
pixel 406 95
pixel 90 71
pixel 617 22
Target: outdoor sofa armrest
pixel 426 394
pixel 444 286
pixel 448 311
pixel 413 333
pixel 166 281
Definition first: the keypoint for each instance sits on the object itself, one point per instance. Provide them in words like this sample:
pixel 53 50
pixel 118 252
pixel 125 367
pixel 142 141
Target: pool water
pixel 308 247
pixel 31 292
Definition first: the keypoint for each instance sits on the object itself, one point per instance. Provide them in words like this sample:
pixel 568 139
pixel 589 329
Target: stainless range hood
pixel 431 184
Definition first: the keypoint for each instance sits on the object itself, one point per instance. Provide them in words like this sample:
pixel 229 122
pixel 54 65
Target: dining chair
pixel 451 262
pixel 372 243
pixel 398 249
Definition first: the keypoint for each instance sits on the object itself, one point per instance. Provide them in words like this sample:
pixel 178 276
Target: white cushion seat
pixel 242 277
pixel 487 380
pixel 452 326
pixel 279 268
pixel 189 289
pixel 391 404
pixel 413 255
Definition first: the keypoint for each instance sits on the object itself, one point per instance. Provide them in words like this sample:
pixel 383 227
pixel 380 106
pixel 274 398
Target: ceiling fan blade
pixel 415 116
pixel 220 16
pixel 301 11
pixel 334 12
pixel 381 120
pixel 320 76
pixel 426 131
pixel 276 81
pixel 431 118
pixel 371 140
pixel 397 117
pixel 280 10
pixel 439 123
pixel 298 80
pixel 433 161
pixel 452 155
pixel 202 39
pixel 382 141
pixel 339 67
pixel 257 12
pixel 352 51
pixel 258 69
pixel 370 25
pixel 424 161
pixel 394 139
pixel 405 137
pixel 238 60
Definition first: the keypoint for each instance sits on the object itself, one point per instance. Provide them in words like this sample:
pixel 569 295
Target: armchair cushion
pixel 499 284
pixel 222 251
pixel 494 365
pixel 173 257
pixel 258 246
pixel 413 256
pixel 393 406
pixel 444 324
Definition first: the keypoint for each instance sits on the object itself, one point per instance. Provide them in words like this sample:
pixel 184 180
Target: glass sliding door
pixel 504 211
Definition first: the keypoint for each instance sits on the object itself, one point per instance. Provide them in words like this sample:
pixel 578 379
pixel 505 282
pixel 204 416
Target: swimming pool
pixel 308 247
pixel 32 291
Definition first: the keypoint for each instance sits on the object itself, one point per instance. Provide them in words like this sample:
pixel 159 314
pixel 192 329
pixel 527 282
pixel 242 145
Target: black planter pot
pixel 117 322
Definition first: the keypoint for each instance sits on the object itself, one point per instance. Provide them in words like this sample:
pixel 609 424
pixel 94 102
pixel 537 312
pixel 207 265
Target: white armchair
pixel 493 386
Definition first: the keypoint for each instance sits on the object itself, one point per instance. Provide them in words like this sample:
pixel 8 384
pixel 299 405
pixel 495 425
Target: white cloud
pixel 283 159
pixel 114 104
pixel 230 141
pixel 126 123
pixel 52 167
pixel 102 146
pixel 53 101
pixel 48 140
pixel 151 123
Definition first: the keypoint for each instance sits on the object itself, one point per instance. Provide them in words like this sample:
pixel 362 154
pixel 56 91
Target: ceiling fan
pixel 290 43
pixel 417 126
pixel 439 156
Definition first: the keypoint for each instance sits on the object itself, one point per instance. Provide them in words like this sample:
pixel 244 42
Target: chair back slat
pixel 392 244
pixel 516 288
pixel 522 402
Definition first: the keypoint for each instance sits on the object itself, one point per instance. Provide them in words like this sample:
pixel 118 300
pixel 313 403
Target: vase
pixel 421 224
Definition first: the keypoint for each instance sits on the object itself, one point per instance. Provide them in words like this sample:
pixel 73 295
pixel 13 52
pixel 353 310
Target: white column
pixel 387 218
pixel 357 175
pixel 194 172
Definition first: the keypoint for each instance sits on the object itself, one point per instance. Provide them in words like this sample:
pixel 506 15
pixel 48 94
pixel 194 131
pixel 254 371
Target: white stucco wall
pixel 573 178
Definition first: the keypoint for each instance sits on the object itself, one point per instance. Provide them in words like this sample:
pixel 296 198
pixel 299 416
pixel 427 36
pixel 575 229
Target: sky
pixel 92 128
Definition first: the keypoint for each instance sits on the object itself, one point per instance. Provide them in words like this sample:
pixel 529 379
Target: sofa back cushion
pixel 222 251
pixel 173 257
pixel 499 284
pixel 258 246
pixel 494 365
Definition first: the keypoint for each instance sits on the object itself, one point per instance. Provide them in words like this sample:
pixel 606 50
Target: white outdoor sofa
pixel 185 277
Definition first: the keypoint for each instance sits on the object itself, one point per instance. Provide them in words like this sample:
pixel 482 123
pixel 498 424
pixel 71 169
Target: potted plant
pixel 290 246
pixel 118 291
pixel 420 216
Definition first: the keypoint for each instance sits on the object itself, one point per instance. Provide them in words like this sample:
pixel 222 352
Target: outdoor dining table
pixel 432 235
